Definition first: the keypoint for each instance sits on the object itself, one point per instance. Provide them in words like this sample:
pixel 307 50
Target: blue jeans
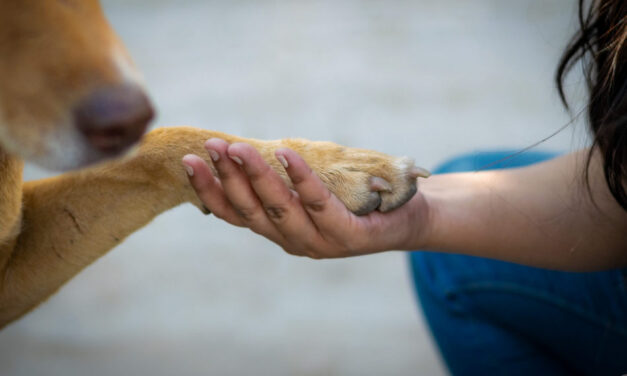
pixel 492 317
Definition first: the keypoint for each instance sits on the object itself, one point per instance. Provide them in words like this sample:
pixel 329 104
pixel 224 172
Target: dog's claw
pixel 378 184
pixel 419 172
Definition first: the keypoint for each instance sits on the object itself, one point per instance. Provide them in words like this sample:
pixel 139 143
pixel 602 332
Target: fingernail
pixel 214 155
pixel 236 159
pixel 283 161
pixel 190 170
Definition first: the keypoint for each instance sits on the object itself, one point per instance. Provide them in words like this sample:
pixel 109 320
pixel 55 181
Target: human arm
pixel 539 215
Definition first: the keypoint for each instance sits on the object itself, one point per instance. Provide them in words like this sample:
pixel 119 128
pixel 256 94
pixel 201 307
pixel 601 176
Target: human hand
pixel 308 220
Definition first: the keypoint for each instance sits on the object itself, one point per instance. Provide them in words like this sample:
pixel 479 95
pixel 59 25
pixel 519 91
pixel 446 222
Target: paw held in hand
pixel 366 181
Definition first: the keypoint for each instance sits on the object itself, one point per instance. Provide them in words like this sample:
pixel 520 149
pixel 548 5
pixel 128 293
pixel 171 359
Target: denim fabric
pixel 492 317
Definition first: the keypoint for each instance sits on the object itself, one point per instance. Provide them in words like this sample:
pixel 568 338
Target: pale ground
pixel 189 295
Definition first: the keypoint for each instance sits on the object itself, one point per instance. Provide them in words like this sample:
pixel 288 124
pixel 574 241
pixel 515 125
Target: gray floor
pixel 189 295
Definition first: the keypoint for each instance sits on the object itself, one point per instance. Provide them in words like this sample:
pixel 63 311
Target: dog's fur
pixel 53 53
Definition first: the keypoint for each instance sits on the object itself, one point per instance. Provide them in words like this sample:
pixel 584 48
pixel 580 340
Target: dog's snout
pixel 114 118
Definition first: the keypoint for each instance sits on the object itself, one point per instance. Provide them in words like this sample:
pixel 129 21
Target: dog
pixel 71 99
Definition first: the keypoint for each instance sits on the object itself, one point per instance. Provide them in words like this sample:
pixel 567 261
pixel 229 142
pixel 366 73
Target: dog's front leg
pixel 70 220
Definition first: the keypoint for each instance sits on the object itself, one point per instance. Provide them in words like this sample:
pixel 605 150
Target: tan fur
pixel 52 54
pixel 67 222
pixel 53 228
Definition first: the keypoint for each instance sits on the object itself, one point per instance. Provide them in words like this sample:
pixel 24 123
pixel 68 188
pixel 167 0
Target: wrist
pixel 412 228
pixel 440 195
pixel 455 202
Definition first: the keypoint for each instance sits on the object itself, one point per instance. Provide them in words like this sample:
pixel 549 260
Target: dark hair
pixel 600 46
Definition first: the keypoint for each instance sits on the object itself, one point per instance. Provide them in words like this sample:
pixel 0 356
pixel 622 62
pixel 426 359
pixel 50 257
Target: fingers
pixel 327 212
pixel 281 205
pixel 310 221
pixel 209 189
pixel 238 191
pixel 212 194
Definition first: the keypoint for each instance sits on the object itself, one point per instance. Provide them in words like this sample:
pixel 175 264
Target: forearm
pixel 539 215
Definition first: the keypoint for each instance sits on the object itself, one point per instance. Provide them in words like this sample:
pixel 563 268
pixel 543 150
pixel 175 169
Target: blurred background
pixel 190 295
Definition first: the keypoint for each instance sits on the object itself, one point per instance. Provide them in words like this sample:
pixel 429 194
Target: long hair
pixel 600 45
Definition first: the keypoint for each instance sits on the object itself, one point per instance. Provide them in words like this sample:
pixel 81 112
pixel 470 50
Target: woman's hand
pixel 308 220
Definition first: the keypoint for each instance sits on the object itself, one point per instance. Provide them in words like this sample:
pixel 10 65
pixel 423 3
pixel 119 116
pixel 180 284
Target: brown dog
pixel 70 97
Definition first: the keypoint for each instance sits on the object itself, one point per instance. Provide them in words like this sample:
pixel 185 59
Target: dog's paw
pixel 366 180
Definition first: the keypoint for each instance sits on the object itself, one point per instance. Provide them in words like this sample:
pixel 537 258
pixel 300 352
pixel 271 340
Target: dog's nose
pixel 114 118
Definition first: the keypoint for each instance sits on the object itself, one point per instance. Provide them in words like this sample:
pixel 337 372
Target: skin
pixel 54 56
pixel 56 53
pixel 51 229
pixel 539 215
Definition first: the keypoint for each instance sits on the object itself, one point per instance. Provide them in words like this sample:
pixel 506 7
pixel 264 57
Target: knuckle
pixel 315 206
pixel 276 212
pixel 318 204
pixel 246 214
pixel 299 179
